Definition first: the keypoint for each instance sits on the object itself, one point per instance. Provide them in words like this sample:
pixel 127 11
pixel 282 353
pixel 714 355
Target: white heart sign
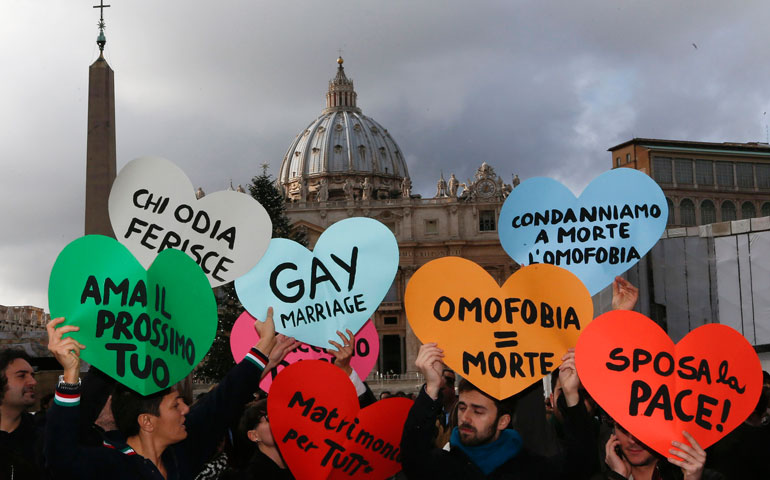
pixel 153 207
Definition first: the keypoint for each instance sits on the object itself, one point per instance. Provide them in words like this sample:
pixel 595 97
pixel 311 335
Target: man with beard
pixel 18 432
pixel 483 445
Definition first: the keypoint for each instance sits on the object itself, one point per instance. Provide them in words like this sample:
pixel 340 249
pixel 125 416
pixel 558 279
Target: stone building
pixel 345 164
pixel 703 182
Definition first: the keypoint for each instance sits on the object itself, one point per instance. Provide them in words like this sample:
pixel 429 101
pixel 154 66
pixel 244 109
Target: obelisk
pixel 100 150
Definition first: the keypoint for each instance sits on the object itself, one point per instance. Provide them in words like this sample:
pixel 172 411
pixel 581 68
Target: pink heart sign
pixel 243 337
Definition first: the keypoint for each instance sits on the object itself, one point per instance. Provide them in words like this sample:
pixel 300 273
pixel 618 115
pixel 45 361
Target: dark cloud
pixel 531 87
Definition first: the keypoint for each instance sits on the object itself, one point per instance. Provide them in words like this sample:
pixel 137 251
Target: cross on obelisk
pixel 101 8
pixel 101 40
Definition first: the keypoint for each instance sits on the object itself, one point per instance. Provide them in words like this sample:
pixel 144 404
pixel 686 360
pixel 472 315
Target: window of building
pixel 670 211
pixel 748 210
pixel 763 176
pixel 390 320
pixel 617 161
pixel 487 221
pixel 708 212
pixel 725 174
pixel 431 227
pixel 766 209
pixel 704 172
pixel 662 172
pixel 728 211
pixel 683 171
pixel 745 174
pixel 687 213
pixel 628 158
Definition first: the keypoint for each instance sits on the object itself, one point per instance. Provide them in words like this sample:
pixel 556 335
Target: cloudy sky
pixel 531 87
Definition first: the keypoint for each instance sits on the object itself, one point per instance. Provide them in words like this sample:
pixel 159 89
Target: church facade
pixel 345 164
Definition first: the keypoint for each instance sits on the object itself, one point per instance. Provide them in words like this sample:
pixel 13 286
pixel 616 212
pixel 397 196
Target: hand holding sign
pixel 617 219
pixel 707 384
pixel 321 432
pixel 367 348
pixel 502 339
pixel 153 207
pixel 145 328
pixel 336 287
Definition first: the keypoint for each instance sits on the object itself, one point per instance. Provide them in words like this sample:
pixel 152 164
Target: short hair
pixel 8 355
pixel 504 407
pixel 127 405
pixel 252 415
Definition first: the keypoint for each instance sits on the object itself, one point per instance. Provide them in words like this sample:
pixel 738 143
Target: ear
pixel 146 423
pixel 503 421
pixel 252 435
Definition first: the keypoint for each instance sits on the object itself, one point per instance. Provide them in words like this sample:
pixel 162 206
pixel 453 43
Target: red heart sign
pixel 322 433
pixel 707 384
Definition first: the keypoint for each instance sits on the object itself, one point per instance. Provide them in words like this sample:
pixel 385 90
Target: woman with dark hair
pixel 266 461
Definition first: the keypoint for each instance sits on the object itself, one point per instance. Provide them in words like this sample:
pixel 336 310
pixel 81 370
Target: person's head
pixel 255 425
pixel 20 377
pixel 481 418
pixel 160 415
pixel 384 394
pixel 448 384
pixel 635 452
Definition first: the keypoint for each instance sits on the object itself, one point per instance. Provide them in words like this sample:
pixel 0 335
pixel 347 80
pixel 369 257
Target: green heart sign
pixel 147 329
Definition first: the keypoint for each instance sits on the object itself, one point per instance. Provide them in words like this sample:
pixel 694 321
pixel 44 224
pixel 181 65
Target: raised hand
pixel 266 332
pixel 624 294
pixel 283 345
pixel 570 382
pixel 429 363
pixel 344 353
pixel 65 350
pixel 690 458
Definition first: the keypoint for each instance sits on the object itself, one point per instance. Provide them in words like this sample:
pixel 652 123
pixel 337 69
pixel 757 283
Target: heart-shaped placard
pixel 502 339
pixel 321 432
pixel 707 384
pixel 338 286
pixel 243 337
pixel 153 207
pixel 147 329
pixel 615 221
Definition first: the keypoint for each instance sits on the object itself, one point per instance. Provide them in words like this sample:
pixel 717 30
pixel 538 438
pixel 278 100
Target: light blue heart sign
pixel 616 220
pixel 337 286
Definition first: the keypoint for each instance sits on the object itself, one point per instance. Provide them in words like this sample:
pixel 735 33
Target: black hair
pixel 252 415
pixel 127 405
pixel 504 407
pixel 3 386
pixel 8 355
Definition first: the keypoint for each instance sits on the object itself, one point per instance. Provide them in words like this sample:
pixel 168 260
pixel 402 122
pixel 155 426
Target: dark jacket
pixel 22 450
pixel 260 467
pixel 206 424
pixel 421 460
pixel 665 471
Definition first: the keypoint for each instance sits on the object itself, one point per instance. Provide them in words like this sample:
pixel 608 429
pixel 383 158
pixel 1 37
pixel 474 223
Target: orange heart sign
pixel 322 434
pixel 707 384
pixel 502 339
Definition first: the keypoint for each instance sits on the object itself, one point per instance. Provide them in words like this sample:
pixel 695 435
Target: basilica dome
pixel 343 154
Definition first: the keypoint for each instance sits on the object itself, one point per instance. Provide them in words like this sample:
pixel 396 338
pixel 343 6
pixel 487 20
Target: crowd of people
pixel 96 428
